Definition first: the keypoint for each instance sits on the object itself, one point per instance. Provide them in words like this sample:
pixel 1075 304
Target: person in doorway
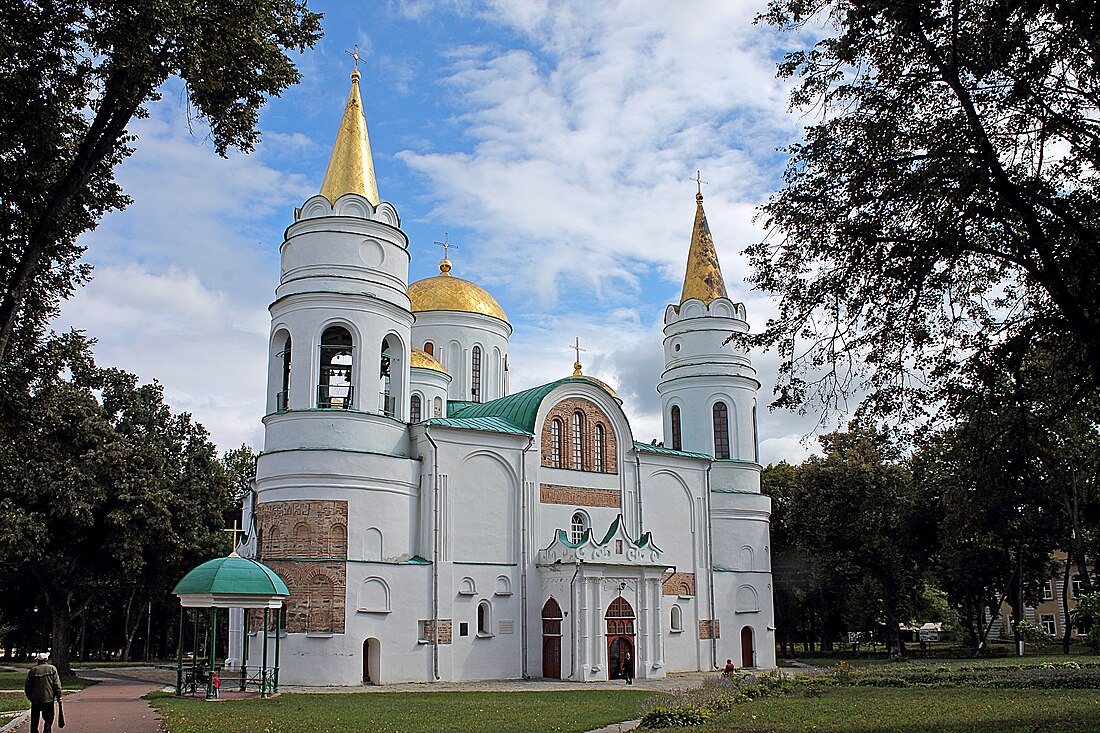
pixel 729 669
pixel 42 688
pixel 628 669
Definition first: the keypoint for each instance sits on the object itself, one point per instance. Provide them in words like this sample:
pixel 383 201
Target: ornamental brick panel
pixel 709 629
pixel 576 496
pixel 678 584
pixel 426 630
pixel 292 532
pixel 592 416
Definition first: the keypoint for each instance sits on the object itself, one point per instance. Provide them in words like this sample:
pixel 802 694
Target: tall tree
pixel 74 73
pixel 946 204
pixel 103 491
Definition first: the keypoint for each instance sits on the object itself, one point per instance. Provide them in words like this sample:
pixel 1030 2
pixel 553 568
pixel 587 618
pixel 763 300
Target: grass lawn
pixel 909 710
pixel 15 680
pixel 408 712
pixel 13 701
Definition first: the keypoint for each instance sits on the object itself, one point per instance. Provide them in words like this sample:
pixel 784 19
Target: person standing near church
pixel 628 669
pixel 42 688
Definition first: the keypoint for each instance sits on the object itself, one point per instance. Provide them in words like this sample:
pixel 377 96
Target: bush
pixel 667 716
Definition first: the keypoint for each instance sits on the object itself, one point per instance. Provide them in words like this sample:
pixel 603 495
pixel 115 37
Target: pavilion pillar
pixel 179 658
pixel 194 643
pixel 263 668
pixel 213 646
pixel 244 651
pixel 278 633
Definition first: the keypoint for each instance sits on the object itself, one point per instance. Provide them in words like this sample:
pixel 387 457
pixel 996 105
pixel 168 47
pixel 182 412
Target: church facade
pixel 433 525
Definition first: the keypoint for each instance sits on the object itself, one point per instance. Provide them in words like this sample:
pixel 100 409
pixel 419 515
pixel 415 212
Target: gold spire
pixel 703 279
pixel 351 168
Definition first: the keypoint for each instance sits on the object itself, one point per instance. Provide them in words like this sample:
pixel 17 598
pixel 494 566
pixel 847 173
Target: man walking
pixel 43 686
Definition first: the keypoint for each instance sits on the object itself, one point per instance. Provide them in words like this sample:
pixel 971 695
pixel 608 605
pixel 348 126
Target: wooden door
pixel 748 654
pixel 618 647
pixel 551 657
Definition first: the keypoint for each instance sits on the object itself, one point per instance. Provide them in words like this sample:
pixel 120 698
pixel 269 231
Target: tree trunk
pixel 61 620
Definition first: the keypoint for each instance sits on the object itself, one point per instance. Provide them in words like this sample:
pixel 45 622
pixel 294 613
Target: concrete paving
pixel 114 705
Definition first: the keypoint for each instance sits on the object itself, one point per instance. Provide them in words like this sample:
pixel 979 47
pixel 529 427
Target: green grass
pixel 13 701
pixel 408 712
pixel 15 680
pixel 916 710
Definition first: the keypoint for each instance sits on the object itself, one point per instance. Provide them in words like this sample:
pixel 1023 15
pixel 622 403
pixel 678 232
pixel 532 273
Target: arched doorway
pixel 371 651
pixel 620 638
pixel 748 653
pixel 551 640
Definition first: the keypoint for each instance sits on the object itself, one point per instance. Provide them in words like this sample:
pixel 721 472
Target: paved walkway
pixel 112 706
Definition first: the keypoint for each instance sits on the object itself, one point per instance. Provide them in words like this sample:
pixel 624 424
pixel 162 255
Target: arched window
pixel 437 409
pixel 475 374
pixel 282 399
pixel 578 441
pixel 555 443
pixel 429 347
pixel 414 408
pixel 577 527
pixel 620 618
pixel 676 623
pixel 721 430
pixel 387 400
pixel 597 448
pixel 551 618
pixel 484 619
pixel 755 436
pixel 677 441
pixel 334 390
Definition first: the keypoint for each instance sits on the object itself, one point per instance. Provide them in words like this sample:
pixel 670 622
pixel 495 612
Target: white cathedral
pixel 432 525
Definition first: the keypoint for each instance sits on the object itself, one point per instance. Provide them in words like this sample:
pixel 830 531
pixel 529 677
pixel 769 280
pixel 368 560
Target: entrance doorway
pixel 551 640
pixel 620 639
pixel 371 651
pixel 748 653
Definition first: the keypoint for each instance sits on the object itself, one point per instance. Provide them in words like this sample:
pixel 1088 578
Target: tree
pixel 73 74
pixel 944 210
pixel 856 512
pixel 240 467
pixel 106 496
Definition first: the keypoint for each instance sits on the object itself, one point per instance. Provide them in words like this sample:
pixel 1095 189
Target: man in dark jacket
pixel 43 686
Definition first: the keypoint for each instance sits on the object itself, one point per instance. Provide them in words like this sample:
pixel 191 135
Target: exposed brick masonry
pixel 574 496
pixel 678 584
pixel 592 416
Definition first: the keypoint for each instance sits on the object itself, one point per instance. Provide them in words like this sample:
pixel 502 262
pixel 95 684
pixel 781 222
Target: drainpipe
pixel 523 553
pixel 710 574
pixel 573 637
pixel 435 555
pixel 638 464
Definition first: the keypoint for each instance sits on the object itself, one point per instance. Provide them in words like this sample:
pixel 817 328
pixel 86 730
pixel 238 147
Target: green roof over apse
pixel 490 424
pixel 661 450
pixel 236 576
pixel 519 409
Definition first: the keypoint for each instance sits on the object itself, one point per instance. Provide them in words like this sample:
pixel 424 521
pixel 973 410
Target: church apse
pixel 306 543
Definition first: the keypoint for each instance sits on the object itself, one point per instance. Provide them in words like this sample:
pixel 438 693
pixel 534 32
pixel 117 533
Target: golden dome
pixel 423 360
pixel 445 292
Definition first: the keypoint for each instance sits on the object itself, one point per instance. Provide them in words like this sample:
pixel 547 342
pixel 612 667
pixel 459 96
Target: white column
pixel 643 651
pixel 599 651
pixel 655 588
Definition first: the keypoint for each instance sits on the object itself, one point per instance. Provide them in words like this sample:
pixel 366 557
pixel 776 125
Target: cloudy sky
pixel 553 141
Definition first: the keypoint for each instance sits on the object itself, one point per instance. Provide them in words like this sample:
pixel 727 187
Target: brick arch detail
pixel 593 415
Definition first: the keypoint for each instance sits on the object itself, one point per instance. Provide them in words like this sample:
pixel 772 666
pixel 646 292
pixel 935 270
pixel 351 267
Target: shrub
pixel 674 716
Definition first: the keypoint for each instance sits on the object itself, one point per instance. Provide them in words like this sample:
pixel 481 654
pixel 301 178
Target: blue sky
pixel 553 142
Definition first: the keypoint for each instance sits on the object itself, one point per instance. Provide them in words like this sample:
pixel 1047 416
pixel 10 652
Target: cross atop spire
pixel 355 58
pixel 577 364
pixel 699 183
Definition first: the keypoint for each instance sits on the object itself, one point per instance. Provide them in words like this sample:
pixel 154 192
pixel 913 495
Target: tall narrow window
pixel 475 374
pixel 429 347
pixel 414 408
pixel 755 437
pixel 437 411
pixel 387 400
pixel 578 441
pixel 555 443
pixel 334 390
pixel 677 441
pixel 484 619
pixel 597 448
pixel 577 527
pixel 282 400
pixel 721 430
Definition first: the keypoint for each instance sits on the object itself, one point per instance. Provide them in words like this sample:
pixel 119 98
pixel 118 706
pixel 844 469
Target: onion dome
pixel 445 292
pixel 423 360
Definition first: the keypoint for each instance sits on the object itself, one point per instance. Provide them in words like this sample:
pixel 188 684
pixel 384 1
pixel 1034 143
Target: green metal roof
pixel 490 424
pixel 237 576
pixel 518 409
pixel 660 449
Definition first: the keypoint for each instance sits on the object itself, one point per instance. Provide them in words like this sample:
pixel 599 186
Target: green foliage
pixel 675 717
pixel 926 227
pixel 107 497
pixel 1087 616
pixel 73 74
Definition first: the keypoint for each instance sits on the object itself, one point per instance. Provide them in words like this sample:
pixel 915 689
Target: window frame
pixel 676 428
pixel 576 458
pixel 475 373
pixel 720 423
pixel 555 442
pixel 326 369
pixel 577 529
pixel 597 448
pixel 414 408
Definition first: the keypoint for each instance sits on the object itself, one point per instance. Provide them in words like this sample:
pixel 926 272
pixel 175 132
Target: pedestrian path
pixel 113 705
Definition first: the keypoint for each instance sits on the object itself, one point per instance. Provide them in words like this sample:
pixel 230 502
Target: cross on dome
pixel 577 364
pixel 356 58
pixel 445 263
pixel 699 183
